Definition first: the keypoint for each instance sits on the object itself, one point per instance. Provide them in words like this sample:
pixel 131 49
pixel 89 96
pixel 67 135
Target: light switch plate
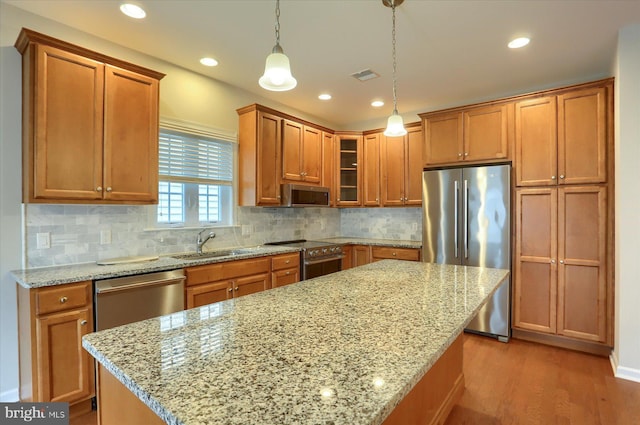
pixel 105 237
pixel 246 229
pixel 43 240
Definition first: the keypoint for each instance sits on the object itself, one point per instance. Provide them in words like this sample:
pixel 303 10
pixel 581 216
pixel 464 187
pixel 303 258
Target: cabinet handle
pixel 561 176
pixel 63 300
pixel 109 189
pixel 83 323
pixel 553 177
pixel 99 189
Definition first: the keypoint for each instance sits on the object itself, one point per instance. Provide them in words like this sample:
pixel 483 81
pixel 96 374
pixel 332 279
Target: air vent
pixel 365 75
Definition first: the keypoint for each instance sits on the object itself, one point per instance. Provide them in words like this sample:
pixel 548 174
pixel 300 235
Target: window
pixel 196 180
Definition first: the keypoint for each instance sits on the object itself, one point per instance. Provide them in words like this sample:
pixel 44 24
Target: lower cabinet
pixel 361 255
pixel 285 269
pixel 221 281
pixel 560 284
pixel 51 323
pixel 358 255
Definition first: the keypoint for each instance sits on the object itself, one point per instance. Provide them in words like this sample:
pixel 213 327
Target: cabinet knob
pixel 83 322
pixel 235 289
pixel 288 273
pixel 460 154
pixel 562 176
pixel 394 254
pixel 109 189
pixel 99 189
pixel 466 154
pixel 230 289
pixel 553 261
pixel 553 177
pixel 561 261
pixel 287 262
pixel 63 300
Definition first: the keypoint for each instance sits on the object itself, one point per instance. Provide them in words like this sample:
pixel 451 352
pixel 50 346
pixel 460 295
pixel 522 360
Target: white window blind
pixel 195 159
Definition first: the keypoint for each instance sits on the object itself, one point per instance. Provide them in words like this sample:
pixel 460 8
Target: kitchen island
pixel 346 348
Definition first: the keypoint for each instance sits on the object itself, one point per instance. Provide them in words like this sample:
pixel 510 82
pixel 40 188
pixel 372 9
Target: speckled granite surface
pixel 50 276
pixel 377 242
pixel 340 349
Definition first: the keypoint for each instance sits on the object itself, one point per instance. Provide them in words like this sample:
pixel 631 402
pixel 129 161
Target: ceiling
pixel 448 52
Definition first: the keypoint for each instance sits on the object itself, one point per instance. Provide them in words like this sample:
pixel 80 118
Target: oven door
pixel 321 266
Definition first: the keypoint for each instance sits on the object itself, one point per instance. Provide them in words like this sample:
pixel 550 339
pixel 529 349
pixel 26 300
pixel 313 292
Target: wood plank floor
pixel 524 383
pixel 527 383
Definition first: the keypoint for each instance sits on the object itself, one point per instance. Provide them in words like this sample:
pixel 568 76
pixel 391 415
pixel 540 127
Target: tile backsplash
pixel 81 233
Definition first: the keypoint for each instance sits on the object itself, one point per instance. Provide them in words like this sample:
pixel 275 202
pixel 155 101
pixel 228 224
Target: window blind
pixel 195 159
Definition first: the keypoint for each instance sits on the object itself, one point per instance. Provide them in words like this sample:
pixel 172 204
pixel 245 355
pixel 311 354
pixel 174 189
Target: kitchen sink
pixel 213 254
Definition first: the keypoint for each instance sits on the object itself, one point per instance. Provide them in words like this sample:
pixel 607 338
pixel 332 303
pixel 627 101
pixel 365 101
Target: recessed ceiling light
pixel 208 61
pixel 132 10
pixel 324 96
pixel 519 42
pixel 377 103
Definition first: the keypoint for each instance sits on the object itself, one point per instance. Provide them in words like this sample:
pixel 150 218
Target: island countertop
pixel 344 348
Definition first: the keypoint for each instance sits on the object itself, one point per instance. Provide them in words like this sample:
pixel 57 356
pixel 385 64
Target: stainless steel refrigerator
pixel 466 220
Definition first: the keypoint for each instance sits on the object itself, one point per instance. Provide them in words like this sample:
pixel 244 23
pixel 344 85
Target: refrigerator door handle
pixel 465 206
pixel 455 215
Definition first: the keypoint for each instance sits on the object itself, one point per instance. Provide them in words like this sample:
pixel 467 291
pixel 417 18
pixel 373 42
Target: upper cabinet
pixel 477 133
pixel 562 139
pixel 401 167
pixel 328 165
pixel 277 148
pixel 371 170
pixel 90 125
pixel 348 175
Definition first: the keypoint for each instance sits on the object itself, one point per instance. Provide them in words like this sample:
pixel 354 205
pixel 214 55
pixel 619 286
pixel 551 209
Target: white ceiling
pixel 449 52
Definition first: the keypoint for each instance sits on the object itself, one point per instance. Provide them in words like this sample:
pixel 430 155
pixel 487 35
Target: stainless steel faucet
pixel 201 240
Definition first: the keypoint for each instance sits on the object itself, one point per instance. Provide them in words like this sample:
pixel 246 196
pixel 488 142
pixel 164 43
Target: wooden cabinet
pixel 90 125
pixel 371 170
pixel 220 281
pixel 466 134
pixel 349 176
pixel 401 166
pixel 361 255
pixel 301 153
pixel 51 323
pixel 560 261
pixel 328 165
pixel 562 139
pixel 383 252
pixel 347 260
pixel 285 269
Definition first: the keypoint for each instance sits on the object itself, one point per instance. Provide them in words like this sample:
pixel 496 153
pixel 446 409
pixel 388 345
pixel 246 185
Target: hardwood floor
pixel 527 383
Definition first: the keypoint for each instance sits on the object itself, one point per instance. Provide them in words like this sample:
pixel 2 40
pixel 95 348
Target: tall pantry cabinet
pixel 564 210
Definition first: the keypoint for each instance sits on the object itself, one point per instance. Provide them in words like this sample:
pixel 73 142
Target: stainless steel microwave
pixel 299 195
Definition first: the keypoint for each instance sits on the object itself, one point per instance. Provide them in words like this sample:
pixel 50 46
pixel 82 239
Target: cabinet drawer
pixel 285 261
pixel 63 297
pixel 226 270
pixel 380 253
pixel 285 277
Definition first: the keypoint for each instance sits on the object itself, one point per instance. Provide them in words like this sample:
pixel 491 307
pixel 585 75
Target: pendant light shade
pixel 277 71
pixel 395 125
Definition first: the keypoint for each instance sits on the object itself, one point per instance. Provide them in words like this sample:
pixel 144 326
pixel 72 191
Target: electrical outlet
pixel 414 227
pixel 105 237
pixel 246 229
pixel 43 240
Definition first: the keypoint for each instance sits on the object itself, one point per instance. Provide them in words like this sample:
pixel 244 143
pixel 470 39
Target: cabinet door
pixel 347 260
pixel 285 277
pixel 582 135
pixel 535 257
pixel 349 151
pixel 392 159
pixel 268 159
pixel 66 370
pixel 361 255
pixel 312 155
pixel 67 127
pixel 536 142
pixel 208 293
pixel 371 171
pixel 130 136
pixel 443 138
pixel 414 143
pixel 581 262
pixel 485 133
pixel 292 135
pixel 251 284
pixel 328 165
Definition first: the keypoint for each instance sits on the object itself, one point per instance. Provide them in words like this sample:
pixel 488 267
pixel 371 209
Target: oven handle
pixel 108 288
pixel 323 260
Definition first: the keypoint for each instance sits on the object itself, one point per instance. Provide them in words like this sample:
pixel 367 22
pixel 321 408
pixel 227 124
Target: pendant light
pixel 395 125
pixel 277 72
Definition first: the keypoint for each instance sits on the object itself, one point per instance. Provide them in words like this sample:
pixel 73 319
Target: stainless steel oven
pixel 316 258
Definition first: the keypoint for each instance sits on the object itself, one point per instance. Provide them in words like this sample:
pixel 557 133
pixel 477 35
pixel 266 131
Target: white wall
pixel 626 355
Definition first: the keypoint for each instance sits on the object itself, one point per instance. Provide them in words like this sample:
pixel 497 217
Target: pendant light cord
pixel 393 49
pixel 277 22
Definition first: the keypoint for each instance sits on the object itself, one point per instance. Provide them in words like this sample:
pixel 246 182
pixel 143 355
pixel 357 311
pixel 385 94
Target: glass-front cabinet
pixel 349 173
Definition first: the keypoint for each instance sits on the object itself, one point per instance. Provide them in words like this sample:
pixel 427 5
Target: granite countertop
pixel 344 348
pixel 50 276
pixel 395 243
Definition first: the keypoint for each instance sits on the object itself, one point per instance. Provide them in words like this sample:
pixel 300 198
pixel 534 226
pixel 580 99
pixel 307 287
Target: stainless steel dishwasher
pixel 133 298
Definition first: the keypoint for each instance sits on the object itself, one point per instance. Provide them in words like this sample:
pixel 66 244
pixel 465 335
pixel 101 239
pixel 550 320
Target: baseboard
pixel 10 396
pixel 622 372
